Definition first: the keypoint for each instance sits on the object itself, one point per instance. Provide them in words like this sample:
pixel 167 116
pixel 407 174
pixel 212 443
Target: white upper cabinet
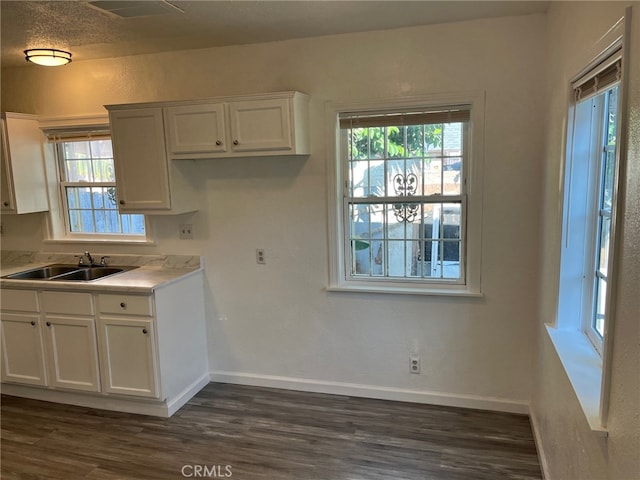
pixel 273 124
pixel 23 186
pixel 194 130
pixel 147 181
pixel 261 126
pixel 148 137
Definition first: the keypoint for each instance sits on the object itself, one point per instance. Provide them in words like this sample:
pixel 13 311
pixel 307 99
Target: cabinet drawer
pixel 67 302
pixel 125 304
pixel 20 300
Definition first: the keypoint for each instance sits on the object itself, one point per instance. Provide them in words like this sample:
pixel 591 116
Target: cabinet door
pixel 142 171
pixel 193 131
pixel 22 351
pixel 24 186
pixel 6 187
pixel 128 356
pixel 261 125
pixel 72 353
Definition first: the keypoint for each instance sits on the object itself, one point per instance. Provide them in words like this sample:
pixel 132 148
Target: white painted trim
pixel 99 119
pixel 154 408
pixel 583 367
pixel 187 394
pixel 372 391
pixel 537 438
pixel 144 407
pixel 338 280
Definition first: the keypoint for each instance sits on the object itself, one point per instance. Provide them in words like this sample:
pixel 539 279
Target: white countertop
pixel 142 279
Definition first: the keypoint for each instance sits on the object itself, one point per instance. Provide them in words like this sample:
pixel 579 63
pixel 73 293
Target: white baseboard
pixel 156 408
pixel 372 391
pixel 175 404
pixel 542 458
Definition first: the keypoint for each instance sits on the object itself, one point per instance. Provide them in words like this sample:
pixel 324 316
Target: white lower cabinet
pixel 70 340
pixel 124 349
pixel 72 352
pixel 22 349
pixel 128 356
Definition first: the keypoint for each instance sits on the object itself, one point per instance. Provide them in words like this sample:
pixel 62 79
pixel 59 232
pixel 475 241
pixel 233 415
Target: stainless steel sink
pixel 67 273
pixel 88 274
pixel 43 273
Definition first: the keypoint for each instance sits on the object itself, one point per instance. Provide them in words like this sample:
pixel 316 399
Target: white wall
pixel 571 450
pixel 277 319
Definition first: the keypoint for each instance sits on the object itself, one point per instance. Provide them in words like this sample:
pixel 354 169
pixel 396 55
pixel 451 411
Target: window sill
pixel 100 241
pixel 583 366
pixel 405 289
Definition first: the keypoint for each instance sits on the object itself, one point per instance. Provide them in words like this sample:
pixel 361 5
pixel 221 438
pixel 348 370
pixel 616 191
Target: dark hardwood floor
pixel 249 433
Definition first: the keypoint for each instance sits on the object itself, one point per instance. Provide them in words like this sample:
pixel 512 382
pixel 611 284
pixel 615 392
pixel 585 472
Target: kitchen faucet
pixel 81 263
pixel 90 258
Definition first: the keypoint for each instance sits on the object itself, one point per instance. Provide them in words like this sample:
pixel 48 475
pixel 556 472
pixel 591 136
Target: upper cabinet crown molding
pixel 24 182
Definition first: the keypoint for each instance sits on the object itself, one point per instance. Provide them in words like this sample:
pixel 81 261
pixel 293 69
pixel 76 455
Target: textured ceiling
pixel 90 33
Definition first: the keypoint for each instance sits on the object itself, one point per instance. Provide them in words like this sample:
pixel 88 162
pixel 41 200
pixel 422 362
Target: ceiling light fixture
pixel 49 57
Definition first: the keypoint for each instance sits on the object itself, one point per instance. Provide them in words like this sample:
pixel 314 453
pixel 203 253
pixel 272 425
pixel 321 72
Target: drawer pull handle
pixel 33 324
pixel 218 142
pixel 48 324
pixel 123 305
pixel 121 202
pixel 6 204
pixel 235 142
pixel 144 330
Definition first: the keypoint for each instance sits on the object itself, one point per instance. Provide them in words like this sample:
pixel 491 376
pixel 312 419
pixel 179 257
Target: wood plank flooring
pixel 250 433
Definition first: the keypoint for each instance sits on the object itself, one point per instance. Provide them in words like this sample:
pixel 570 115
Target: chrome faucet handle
pixel 80 260
pixel 103 260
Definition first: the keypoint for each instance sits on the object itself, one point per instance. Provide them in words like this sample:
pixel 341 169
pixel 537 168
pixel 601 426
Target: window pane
pixel 359 144
pixel 84 196
pixel 94 209
pixel 76 150
pixel 397 258
pixel 359 178
pixel 406 164
pixel 78 171
pixel 396 142
pixel 433 138
pixel 376 142
pixel 451 175
pixel 604 245
pixel 81 221
pixel 101 149
pixel 415 141
pixel 104 171
pixel 599 317
pixel 607 183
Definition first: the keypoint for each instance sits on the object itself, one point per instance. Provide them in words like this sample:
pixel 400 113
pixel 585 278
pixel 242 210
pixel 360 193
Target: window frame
pixel 339 274
pixel 589 178
pixel 589 373
pixel 59 130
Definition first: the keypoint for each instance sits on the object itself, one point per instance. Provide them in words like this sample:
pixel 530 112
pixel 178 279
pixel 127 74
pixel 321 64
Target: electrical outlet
pixel 414 364
pixel 260 256
pixel 186 231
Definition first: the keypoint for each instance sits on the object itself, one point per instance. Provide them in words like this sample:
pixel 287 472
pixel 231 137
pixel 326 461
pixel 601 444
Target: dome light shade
pixel 49 57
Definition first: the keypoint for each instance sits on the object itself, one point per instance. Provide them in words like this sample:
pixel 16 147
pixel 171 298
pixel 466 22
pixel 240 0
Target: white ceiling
pixel 90 33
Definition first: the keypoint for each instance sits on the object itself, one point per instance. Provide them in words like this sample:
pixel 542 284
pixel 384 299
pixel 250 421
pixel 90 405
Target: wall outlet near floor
pixel 414 364
pixel 186 231
pixel 260 256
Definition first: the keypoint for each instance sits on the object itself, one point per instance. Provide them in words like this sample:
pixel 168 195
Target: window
pixel 88 190
pixel 591 175
pixel 405 198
